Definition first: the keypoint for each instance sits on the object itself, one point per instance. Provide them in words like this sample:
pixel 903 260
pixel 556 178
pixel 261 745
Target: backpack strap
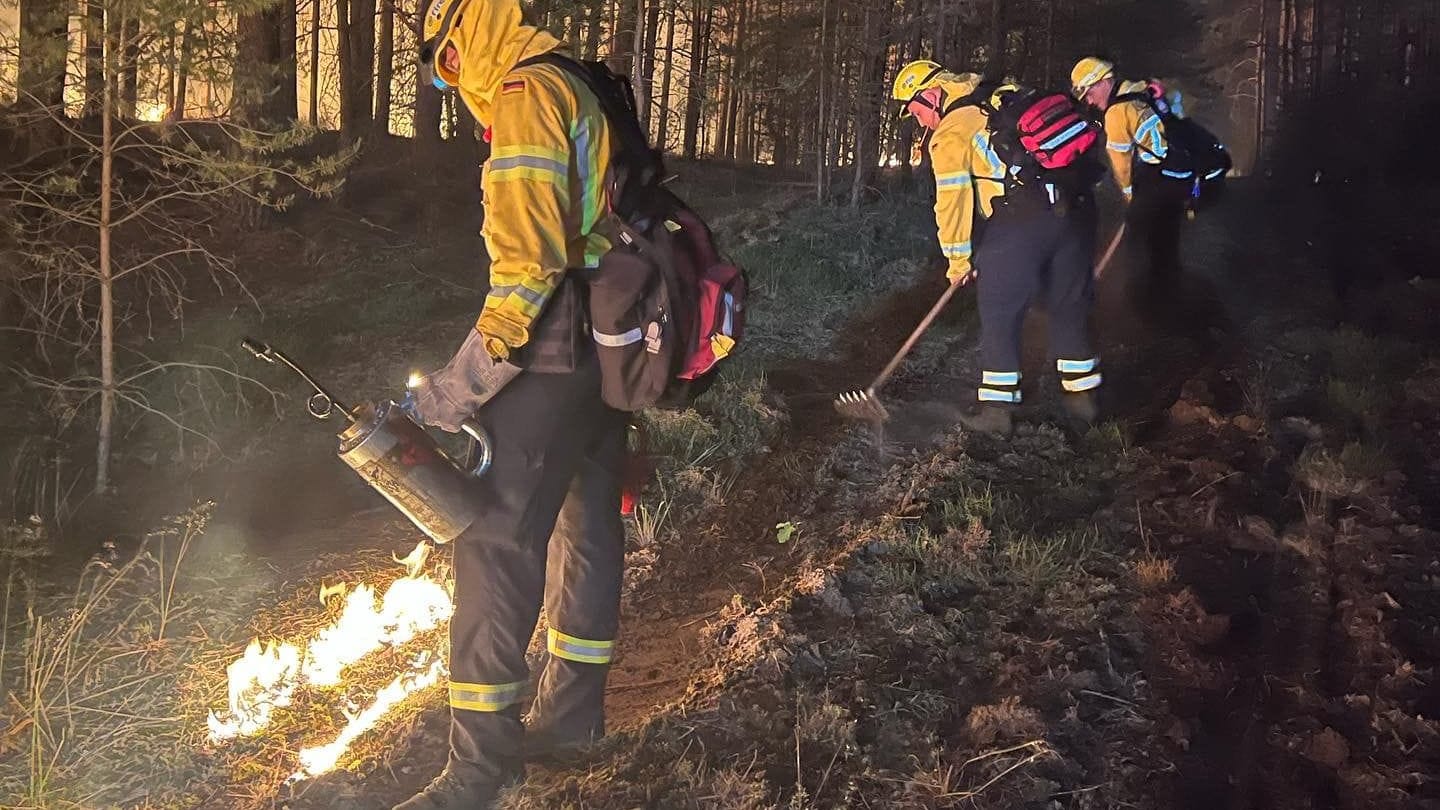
pixel 617 103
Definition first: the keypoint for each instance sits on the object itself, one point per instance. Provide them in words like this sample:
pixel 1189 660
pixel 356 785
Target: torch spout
pixel 321 404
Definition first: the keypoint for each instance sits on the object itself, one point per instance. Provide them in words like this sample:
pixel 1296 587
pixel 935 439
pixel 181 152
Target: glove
pixel 960 273
pixel 447 397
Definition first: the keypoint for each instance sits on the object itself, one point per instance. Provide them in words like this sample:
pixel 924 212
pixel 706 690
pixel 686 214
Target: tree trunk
pixel 287 90
pixel 130 68
pixel 105 430
pixel 385 68
pixel 182 79
pixel 867 124
pixel 593 29
pixel 622 40
pixel 645 89
pixel 695 86
pixel 94 57
pixel 41 78
pixel 264 76
pixel 667 76
pixel 315 63
pixel 821 135
pixel 356 23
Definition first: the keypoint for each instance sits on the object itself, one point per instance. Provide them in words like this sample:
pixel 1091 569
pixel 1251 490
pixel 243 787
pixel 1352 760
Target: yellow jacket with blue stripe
pixel 967 173
pixel 543 185
pixel 1134 132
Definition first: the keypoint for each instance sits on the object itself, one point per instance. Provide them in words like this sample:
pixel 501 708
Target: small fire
pixel 265 677
pixel 323 758
pixel 411 606
pixel 261 681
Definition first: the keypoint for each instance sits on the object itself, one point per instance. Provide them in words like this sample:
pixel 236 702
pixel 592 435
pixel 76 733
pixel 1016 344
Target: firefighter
pixel 1135 141
pixel 527 372
pixel 1031 247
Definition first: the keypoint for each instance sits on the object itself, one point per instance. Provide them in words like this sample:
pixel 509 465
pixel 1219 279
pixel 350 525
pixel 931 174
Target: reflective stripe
pixel 1214 174
pixel 532 297
pixel 1175 174
pixel 1001 378
pixel 484 697
pixel 1116 146
pixel 583 650
pixel 997 395
pixel 1076 366
pixel 558 179
pixel 992 160
pixel 1074 129
pixel 953 181
pixel 956 250
pixel 615 341
pixel 528 162
pixel 1082 384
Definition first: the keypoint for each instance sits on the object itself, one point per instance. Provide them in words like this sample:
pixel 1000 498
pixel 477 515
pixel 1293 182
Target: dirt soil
pixel 1228 596
pixel 1225 598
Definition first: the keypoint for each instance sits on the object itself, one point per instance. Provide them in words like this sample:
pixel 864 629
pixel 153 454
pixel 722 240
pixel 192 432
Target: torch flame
pixel 266 676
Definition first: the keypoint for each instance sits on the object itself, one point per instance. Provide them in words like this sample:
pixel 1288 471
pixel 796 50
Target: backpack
pixel 1044 138
pixel 665 307
pixel 1194 155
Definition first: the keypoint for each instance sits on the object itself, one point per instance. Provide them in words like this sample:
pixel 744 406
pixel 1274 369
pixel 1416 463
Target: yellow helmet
pixel 915 78
pixel 439 24
pixel 1089 72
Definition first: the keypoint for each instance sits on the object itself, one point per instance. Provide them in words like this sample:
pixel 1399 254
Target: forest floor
pixel 1227 595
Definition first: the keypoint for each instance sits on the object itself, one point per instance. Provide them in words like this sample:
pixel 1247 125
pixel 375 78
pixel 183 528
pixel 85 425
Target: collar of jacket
pixel 493 38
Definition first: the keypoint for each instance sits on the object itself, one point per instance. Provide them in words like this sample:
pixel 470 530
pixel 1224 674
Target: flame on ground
pixel 266 677
pixel 261 681
pixel 322 759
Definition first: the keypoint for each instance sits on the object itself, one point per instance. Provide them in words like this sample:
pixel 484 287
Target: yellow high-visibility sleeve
pixel 526 187
pixel 954 198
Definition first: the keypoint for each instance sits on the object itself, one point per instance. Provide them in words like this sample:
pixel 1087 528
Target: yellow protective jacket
pixel 1133 131
pixel 967 172
pixel 543 185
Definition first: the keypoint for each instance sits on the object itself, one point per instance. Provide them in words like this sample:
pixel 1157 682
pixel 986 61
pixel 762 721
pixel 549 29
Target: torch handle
pixel 269 354
pixel 481 452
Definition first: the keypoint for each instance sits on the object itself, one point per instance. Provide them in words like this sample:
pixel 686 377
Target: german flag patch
pixel 512 86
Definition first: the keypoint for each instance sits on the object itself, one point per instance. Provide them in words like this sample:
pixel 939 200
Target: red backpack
pixel 1044 138
pixel 665 308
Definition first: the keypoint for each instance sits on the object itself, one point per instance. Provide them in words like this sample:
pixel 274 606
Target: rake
pixel 1110 251
pixel 866 405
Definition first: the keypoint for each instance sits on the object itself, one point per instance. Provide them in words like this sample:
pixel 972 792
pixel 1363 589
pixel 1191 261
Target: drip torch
pixel 397 457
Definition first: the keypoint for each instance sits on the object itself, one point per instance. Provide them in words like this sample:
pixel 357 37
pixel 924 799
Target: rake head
pixel 861 405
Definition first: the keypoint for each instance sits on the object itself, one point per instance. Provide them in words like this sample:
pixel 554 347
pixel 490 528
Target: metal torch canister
pixel 405 464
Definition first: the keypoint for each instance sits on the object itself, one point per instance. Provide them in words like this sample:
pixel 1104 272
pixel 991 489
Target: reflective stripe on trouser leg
pixel 540 424
pixel 485 697
pixel 1078 376
pixel 579 650
pixel 1069 299
pixel 582 597
pixel 999 387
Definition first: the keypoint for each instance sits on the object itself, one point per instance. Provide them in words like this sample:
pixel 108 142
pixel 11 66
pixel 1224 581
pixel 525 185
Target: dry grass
pixel 1154 573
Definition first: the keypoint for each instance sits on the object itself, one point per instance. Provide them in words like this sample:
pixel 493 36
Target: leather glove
pixel 449 396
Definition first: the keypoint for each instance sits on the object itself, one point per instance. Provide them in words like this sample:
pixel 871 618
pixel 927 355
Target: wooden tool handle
pixel 915 336
pixel 1110 251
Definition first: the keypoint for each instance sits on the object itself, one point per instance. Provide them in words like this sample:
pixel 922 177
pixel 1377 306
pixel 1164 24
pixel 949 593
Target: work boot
pixel 544 749
pixel 455 790
pixel 1081 407
pixel 990 419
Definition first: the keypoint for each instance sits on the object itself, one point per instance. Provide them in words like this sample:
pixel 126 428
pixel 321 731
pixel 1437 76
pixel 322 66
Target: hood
pixel 958 85
pixel 492 39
